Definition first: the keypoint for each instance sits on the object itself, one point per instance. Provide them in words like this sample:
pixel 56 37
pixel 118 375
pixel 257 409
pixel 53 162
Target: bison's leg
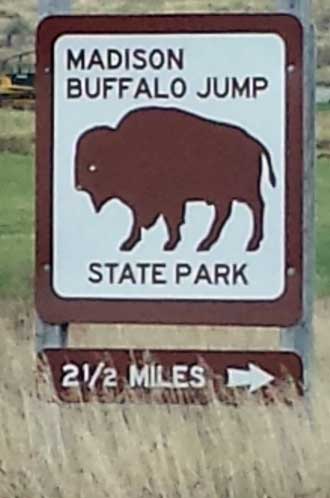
pixel 257 207
pixel 221 216
pixel 135 235
pixel 174 220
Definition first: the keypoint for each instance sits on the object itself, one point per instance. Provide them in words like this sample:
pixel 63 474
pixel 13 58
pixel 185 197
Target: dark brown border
pixel 287 309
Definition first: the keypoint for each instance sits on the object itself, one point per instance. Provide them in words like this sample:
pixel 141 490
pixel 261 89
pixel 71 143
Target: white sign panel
pixel 114 238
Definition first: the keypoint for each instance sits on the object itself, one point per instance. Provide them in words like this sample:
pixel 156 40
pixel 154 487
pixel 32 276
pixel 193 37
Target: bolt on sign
pixel 172 376
pixel 169 169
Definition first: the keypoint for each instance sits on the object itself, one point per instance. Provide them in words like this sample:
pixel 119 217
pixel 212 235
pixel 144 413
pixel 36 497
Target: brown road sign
pixel 172 376
pixel 169 169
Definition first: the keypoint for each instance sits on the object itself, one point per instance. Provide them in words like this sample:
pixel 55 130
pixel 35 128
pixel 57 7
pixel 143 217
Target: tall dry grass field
pixel 17 131
pixel 49 450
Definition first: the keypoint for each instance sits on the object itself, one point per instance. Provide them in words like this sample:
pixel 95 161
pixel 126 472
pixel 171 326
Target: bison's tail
pixel 272 177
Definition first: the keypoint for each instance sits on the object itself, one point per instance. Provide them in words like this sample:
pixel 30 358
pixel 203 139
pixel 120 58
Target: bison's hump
pixel 172 119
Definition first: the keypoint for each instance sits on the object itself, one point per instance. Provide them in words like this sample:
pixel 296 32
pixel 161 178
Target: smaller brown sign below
pixel 163 376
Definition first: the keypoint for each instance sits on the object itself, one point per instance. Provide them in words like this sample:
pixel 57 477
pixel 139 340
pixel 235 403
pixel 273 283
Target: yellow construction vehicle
pixel 17 81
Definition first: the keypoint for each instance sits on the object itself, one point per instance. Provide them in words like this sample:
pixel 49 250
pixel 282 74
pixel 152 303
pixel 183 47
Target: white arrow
pixel 254 377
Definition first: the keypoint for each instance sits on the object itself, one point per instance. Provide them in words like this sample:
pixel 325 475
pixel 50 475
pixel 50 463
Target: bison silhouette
pixel 157 159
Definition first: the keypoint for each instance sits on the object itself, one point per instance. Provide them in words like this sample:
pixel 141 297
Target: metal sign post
pixel 47 335
pixel 53 7
pixel 299 338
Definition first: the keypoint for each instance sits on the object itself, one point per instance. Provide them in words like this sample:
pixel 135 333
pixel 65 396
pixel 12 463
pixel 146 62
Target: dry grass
pixel 53 451
pixel 150 6
pixel 16 131
pixel 323 76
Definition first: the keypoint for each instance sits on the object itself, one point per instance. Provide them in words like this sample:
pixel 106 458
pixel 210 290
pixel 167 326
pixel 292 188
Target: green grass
pixel 323 228
pixel 323 107
pixel 16 226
